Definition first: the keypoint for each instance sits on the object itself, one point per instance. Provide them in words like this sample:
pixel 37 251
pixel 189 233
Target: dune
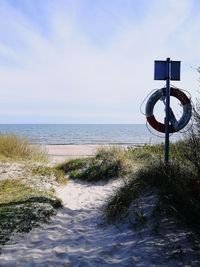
pixel 77 237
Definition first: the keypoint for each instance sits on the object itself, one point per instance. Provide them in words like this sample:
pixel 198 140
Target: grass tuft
pixel 148 153
pixel 178 187
pixel 15 148
pixel 73 164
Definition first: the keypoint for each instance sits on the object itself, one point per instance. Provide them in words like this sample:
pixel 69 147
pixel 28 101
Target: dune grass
pixel 23 207
pixel 177 183
pixel 178 188
pixel 114 161
pixel 17 148
pixel 148 153
pixel 108 163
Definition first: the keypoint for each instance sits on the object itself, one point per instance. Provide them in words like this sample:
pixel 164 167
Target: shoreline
pixel 60 153
pixel 94 144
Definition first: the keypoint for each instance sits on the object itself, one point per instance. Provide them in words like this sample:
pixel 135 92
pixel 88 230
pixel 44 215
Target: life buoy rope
pixel 175 125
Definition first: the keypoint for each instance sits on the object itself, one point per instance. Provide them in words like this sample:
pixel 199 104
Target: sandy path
pixel 75 237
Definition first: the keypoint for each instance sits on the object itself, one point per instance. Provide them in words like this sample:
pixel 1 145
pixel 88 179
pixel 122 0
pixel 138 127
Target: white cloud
pixel 105 82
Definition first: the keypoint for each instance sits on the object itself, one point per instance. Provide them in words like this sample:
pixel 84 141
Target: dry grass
pixel 17 148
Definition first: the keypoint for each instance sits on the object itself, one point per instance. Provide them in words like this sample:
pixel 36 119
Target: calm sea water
pixel 82 133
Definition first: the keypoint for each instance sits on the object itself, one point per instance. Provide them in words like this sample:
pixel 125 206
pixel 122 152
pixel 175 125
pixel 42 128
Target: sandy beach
pixel 59 153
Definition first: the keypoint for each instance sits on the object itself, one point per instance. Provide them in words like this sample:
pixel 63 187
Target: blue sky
pixel 87 61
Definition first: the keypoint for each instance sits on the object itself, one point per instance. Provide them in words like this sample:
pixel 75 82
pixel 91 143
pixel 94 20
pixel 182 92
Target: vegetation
pixel 177 183
pixel 23 207
pixel 148 153
pixel 107 163
pixel 191 151
pixel 17 148
pixel 178 186
pixel 48 171
pixel 114 162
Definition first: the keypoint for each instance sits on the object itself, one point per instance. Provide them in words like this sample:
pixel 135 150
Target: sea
pixel 74 134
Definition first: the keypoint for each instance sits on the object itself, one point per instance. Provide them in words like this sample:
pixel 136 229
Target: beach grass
pixel 177 185
pixel 15 148
pixel 148 153
pixel 108 162
pixel 23 207
pixel 115 161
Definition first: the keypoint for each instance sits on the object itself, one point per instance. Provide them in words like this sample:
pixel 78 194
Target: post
pixel 167 70
pixel 167 109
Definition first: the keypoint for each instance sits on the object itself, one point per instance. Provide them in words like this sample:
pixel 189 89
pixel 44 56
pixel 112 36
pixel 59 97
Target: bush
pixel 191 151
pixel 107 163
pixel 17 148
pixel 73 165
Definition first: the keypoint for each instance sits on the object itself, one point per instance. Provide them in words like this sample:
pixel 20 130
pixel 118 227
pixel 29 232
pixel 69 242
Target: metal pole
pixel 167 108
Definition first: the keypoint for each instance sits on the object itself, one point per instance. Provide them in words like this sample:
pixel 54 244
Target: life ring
pixel 175 125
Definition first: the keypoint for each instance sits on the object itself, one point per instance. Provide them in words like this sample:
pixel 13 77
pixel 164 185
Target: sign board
pixel 161 72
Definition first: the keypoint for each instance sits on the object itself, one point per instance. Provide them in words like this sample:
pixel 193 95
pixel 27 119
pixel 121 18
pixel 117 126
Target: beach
pixel 59 153
pixel 99 133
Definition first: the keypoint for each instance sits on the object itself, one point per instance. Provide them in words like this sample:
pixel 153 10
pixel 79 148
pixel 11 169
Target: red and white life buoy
pixel 175 125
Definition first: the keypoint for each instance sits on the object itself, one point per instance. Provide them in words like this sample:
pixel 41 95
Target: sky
pixel 91 61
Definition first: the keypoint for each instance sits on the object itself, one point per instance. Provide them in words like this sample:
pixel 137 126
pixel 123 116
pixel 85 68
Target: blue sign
pixel 161 70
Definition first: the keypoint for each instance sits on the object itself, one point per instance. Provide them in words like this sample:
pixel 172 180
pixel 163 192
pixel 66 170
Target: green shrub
pixel 107 163
pixel 96 169
pixel 73 164
pixel 18 148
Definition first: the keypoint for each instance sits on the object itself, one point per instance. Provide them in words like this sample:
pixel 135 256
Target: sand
pixel 76 236
pixel 59 153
